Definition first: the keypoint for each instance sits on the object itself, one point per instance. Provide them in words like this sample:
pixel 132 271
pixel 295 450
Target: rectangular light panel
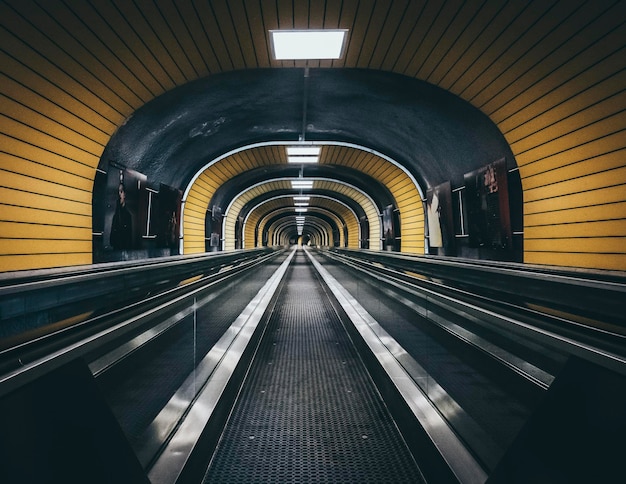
pixel 303 150
pixel 307 44
pixel 301 184
pixel 302 159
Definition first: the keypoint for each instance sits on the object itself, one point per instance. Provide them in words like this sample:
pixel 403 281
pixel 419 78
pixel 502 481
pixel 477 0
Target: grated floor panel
pixel 308 411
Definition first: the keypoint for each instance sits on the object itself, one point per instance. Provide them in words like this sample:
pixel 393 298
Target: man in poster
pixel 122 225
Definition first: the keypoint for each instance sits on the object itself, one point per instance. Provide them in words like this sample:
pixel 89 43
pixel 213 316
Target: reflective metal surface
pixel 389 352
pixel 212 377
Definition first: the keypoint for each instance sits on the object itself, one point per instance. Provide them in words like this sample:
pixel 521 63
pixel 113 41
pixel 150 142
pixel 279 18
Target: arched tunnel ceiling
pixel 436 135
pixel 319 194
pixel 549 74
pixel 253 176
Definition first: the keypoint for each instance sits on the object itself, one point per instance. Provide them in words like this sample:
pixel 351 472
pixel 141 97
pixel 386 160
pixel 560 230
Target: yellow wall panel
pixel 575 170
pixel 516 127
pixel 599 245
pixel 587 183
pixel 599 196
pixel 37 138
pixel 26 246
pixel 34 82
pixel 615 262
pixel 606 144
pixel 611 124
pixel 578 214
pixel 606 228
pixel 25 199
pixel 20 230
pixel 43 187
pixel 43 216
pixel 40 104
pixel 11 262
pixel 35 170
pixel 17 151
pixel 548 75
pixel 40 123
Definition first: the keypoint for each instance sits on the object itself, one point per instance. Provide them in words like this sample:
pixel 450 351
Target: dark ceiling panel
pixel 436 135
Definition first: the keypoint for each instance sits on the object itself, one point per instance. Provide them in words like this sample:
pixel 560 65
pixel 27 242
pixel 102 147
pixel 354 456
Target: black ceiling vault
pixel 434 134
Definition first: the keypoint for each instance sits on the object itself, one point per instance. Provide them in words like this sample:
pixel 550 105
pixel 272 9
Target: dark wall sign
pixel 125 217
pixel 391 229
pixel 165 216
pixel 487 201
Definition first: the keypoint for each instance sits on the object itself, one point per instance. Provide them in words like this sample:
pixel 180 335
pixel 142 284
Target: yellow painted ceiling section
pixel 221 171
pixel 366 204
pixel 339 212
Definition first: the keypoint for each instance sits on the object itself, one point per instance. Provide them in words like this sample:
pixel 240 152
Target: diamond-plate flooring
pixel 308 411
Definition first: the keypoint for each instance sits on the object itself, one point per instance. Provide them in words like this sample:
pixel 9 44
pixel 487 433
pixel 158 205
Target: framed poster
pixel 391 227
pixel 126 208
pixel 166 217
pixel 440 219
pixel 487 201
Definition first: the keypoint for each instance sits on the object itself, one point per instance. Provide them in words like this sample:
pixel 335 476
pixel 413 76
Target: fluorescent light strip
pixel 302 184
pixel 302 159
pixel 301 210
pixel 303 150
pixel 307 44
pixel 301 199
pixel 301 204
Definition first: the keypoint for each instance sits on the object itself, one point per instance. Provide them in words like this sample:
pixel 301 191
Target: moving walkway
pixel 314 366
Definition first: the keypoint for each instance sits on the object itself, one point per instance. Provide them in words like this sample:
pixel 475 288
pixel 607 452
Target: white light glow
pixel 301 210
pixel 307 44
pixel 302 159
pixel 301 204
pixel 303 150
pixel 302 184
pixel 301 199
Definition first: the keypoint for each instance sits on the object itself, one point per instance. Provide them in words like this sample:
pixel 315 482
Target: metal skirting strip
pixel 211 379
pixel 387 353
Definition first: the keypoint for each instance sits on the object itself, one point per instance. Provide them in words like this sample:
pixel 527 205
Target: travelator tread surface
pixel 137 393
pixel 499 403
pixel 308 410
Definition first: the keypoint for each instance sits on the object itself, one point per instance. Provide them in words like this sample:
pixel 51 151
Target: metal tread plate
pixel 308 411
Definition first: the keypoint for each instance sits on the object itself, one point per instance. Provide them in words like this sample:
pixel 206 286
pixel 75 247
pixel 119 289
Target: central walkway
pixel 308 410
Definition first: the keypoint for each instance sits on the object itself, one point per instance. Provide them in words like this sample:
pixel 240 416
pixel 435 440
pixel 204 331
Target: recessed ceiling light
pixel 303 150
pixel 302 184
pixel 301 199
pixel 301 204
pixel 302 159
pixel 301 210
pixel 308 44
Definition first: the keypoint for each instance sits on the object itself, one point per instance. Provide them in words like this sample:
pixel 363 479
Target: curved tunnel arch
pixel 339 222
pixel 318 222
pixel 386 182
pixel 434 135
pixel 364 210
pixel 259 212
pixel 267 216
pixel 360 203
